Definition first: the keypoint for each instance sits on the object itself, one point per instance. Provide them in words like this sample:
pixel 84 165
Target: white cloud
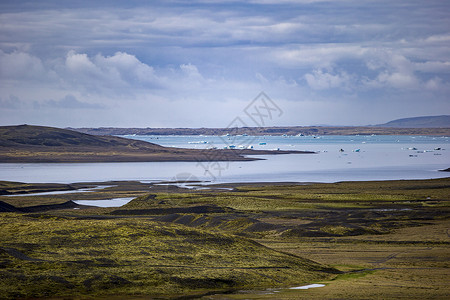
pixel 120 70
pixel 394 71
pixel 439 38
pixel 433 66
pixel 20 65
pixel 320 80
pixel 127 67
pixel 398 80
pixel 318 55
pixel 434 84
pixel 80 63
pixel 191 71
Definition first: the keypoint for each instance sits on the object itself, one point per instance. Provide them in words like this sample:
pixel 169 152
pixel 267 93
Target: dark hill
pixel 5 207
pixel 420 122
pixel 27 135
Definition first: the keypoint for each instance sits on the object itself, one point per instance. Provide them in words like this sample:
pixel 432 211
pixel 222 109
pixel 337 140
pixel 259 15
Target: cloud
pixel 20 65
pixel 398 80
pixel 439 38
pixel 320 80
pixel 321 55
pixel 433 66
pixel 80 63
pixel 107 73
pixel 434 84
pixel 68 102
pixel 115 62
pixel 127 66
pixel 11 103
pixel 116 74
pixel 191 71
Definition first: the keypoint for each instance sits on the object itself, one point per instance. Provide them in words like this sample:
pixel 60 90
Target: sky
pixel 204 63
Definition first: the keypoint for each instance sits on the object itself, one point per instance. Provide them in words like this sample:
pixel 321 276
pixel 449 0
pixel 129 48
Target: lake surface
pixel 86 190
pixel 114 202
pixel 338 158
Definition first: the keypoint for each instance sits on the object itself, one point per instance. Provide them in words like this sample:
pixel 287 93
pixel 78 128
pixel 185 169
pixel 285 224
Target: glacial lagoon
pixel 337 158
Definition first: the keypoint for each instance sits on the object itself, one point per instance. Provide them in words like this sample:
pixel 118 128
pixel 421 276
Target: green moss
pixel 61 257
pixel 354 274
pixel 299 197
pixel 99 254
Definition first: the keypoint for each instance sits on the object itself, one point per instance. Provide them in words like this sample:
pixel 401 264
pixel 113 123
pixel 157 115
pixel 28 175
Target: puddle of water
pixel 224 188
pixel 269 291
pixel 100 187
pixel 309 286
pixel 115 202
pixel 199 186
pixel 391 209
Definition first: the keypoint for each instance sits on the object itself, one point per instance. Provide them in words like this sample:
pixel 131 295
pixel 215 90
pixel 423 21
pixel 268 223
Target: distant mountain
pixel 420 122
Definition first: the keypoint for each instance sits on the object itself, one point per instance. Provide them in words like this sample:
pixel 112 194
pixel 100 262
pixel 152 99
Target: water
pixel 363 158
pixel 315 143
pixel 86 190
pixel 309 286
pixel 114 202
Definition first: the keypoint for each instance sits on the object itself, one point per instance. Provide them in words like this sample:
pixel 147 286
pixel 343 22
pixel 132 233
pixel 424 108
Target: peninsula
pixel 39 144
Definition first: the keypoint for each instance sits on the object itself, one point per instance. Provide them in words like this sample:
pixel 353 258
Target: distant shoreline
pixel 258 131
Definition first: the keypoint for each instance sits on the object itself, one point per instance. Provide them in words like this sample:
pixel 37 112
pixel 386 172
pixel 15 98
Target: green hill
pixel 61 257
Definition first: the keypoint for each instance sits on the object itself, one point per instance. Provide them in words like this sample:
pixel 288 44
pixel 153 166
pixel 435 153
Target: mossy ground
pixel 57 256
pixel 389 238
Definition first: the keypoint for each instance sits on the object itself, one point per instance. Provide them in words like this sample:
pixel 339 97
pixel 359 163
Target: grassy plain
pixel 385 239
